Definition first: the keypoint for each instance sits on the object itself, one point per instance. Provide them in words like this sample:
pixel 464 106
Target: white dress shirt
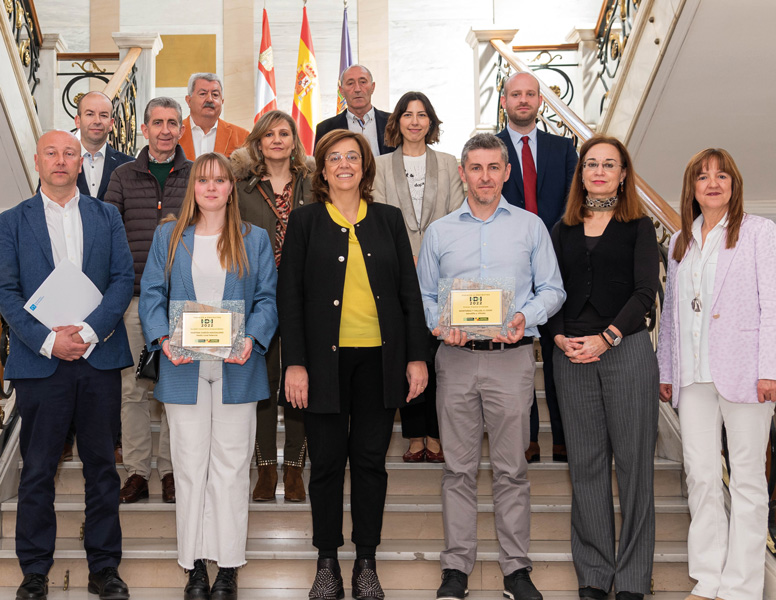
pixel 93 167
pixel 696 276
pixel 366 126
pixel 65 230
pixel 203 142
pixel 517 142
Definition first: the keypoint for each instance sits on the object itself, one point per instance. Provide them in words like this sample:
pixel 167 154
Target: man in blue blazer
pixel 542 189
pixel 73 371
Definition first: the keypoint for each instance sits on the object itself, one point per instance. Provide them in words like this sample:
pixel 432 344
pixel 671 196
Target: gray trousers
pixel 494 388
pixel 611 408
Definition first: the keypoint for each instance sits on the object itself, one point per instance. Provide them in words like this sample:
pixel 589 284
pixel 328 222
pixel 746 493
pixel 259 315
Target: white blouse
pixel 206 271
pixel 415 171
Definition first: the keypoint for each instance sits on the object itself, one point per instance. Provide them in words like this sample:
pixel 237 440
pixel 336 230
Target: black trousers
pixel 361 433
pixel 558 437
pixel 92 398
pixel 420 419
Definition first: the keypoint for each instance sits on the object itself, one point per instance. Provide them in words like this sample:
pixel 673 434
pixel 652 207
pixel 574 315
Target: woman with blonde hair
pixel 208 255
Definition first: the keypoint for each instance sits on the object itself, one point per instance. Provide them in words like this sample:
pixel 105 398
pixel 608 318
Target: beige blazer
pixel 442 195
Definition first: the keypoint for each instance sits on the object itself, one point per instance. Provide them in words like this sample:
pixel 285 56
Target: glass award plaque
pixel 207 330
pixel 481 308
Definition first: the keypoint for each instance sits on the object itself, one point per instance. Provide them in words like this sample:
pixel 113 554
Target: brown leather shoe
pixel 67 453
pixel 118 453
pixel 267 483
pixel 532 455
pixel 135 488
pixel 559 453
pixel 414 457
pixel 292 481
pixel 168 489
pixel 435 457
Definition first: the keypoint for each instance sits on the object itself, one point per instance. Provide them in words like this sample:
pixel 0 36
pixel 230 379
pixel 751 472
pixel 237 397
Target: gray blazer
pixel 442 195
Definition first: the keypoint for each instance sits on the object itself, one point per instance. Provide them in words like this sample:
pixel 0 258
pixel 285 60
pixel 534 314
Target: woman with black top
pixel 606 371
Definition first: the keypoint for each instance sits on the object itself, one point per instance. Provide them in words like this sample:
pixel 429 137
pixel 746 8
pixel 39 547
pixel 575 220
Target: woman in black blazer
pixel 352 325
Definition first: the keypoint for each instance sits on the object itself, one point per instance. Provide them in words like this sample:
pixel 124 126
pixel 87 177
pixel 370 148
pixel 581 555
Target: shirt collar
pixel 198 128
pixel 516 136
pixel 503 206
pixel 698 222
pixel 49 204
pixel 163 162
pixel 100 152
pixel 367 118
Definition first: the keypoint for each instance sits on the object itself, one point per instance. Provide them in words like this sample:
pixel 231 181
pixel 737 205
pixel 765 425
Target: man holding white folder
pixel 71 371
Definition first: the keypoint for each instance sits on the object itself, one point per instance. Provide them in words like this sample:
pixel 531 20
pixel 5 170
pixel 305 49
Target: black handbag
pixel 148 365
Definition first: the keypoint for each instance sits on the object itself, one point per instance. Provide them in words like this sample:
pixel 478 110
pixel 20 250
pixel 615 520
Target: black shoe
pixel 225 586
pixel 455 585
pixel 198 587
pixel 593 592
pixel 518 586
pixel 107 583
pixel 366 585
pixel 629 596
pixel 34 587
pixel 328 581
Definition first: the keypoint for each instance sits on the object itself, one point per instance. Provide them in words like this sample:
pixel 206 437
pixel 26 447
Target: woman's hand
pixel 586 349
pixel 666 391
pixel 417 377
pixel 766 390
pixel 561 341
pixel 296 386
pixel 175 361
pixel 244 355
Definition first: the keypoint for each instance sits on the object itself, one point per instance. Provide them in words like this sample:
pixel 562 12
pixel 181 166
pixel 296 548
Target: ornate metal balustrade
pixel 615 23
pixel 24 25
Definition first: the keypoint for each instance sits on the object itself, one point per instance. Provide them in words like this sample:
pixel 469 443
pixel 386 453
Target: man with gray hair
pixel 357 86
pixel 145 191
pixel 204 130
pixel 488 382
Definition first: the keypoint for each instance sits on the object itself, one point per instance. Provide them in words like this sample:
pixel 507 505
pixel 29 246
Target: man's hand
pixel 456 337
pixel 515 330
pixel 65 345
pixel 666 391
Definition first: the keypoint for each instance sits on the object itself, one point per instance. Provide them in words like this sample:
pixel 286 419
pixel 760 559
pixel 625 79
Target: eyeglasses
pixel 608 165
pixel 335 157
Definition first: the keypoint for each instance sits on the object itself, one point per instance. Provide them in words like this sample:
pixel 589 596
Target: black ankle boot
pixel 366 585
pixel 225 586
pixel 198 586
pixel 328 581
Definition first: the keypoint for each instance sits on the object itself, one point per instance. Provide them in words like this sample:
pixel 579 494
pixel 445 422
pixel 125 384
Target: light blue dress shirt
pixel 511 243
pixel 517 142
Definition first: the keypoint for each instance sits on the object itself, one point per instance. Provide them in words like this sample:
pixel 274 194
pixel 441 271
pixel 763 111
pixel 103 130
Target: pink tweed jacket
pixel 742 328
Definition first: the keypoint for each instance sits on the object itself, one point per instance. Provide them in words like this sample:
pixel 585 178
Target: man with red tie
pixel 542 169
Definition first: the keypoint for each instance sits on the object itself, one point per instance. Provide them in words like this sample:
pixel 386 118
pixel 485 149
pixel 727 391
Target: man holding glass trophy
pixel 488 277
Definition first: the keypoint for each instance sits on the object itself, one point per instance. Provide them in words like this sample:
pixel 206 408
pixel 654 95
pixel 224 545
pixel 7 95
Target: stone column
pixel 48 96
pixel 150 44
pixel 592 89
pixel 485 63
pixel 374 49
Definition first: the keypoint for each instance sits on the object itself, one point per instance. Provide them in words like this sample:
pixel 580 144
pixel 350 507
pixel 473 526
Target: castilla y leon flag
pixel 307 93
pixel 346 59
pixel 266 96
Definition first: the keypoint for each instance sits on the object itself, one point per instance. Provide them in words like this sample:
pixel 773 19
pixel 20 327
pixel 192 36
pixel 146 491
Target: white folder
pixel 67 297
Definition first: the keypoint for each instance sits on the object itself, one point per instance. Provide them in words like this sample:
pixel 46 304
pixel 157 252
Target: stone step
pixel 284 563
pixel 547 478
pixel 406 517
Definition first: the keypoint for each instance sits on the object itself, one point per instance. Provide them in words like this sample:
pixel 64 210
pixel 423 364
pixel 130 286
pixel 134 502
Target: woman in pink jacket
pixel 716 354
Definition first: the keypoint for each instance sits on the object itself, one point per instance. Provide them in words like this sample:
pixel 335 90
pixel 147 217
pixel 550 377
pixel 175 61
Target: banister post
pixel 485 63
pixel 592 88
pixel 48 95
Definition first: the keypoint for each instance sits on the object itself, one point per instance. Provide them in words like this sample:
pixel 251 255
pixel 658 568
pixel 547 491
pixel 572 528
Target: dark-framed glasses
pixel 608 165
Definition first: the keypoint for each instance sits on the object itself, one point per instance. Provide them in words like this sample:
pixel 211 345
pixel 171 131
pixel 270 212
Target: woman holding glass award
pixel 208 256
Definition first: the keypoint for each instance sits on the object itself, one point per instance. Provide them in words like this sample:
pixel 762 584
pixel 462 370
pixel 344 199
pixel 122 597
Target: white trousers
pixel 211 445
pixel 726 555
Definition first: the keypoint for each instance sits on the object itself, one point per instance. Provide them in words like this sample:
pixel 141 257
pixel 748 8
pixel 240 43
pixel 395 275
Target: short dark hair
pixel 368 169
pixel 393 135
pixel 162 102
pixel 484 141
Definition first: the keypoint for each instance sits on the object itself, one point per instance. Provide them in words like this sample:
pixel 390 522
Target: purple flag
pixel 346 58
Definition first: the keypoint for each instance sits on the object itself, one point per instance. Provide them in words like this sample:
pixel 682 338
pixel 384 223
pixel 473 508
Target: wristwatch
pixel 613 336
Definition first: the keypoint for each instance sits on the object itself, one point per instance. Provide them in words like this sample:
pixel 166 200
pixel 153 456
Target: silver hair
pixel 368 72
pixel 207 77
pixel 162 102
pixel 484 141
pixel 531 75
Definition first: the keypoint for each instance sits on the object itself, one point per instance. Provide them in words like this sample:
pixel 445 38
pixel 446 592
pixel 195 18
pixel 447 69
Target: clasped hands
pixel 515 333
pixel 68 343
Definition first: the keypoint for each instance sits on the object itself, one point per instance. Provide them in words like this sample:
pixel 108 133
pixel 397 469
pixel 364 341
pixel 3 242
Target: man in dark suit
pixel 73 371
pixel 95 122
pixel 357 86
pixel 542 169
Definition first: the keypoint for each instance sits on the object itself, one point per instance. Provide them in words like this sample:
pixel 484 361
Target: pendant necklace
pixel 696 303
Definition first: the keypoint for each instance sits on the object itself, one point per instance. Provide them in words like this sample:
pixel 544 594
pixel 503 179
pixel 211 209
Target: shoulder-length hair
pixel 393 135
pixel 689 208
pixel 323 148
pixel 231 247
pixel 628 206
pixel 267 122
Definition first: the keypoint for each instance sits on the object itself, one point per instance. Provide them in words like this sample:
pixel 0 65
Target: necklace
pixel 601 204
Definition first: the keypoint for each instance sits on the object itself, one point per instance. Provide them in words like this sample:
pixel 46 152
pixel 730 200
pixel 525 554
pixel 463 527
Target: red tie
pixel 529 178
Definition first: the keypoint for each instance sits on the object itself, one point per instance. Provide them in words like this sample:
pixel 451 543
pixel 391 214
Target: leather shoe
pixel 365 584
pixel 266 484
pixel 328 581
pixel 168 489
pixel 435 457
pixel 107 583
pixel 518 586
pixel 34 587
pixel 593 592
pixel 135 488
pixel 559 453
pixel 198 586
pixel 293 484
pixel 414 457
pixel 67 453
pixel 118 454
pixel 225 585
pixel 629 596
pixel 532 455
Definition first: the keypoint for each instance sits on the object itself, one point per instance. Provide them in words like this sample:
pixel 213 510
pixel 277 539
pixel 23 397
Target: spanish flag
pixel 307 93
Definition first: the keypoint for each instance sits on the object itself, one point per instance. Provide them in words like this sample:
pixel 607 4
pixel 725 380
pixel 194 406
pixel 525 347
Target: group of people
pixel 339 260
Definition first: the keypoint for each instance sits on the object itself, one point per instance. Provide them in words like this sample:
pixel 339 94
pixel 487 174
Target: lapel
pixel 724 261
pixel 516 175
pixel 223 134
pixel 187 142
pixel 89 226
pixel 542 158
pixel 83 187
pixel 431 190
pixel 380 126
pixel 403 188
pixel 107 170
pixel 36 216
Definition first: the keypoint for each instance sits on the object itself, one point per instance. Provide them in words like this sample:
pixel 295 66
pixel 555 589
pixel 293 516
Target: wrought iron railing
pixel 26 31
pixel 613 29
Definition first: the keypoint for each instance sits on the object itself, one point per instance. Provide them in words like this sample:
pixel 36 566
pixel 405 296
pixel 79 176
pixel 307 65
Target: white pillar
pixel 48 95
pixel 592 90
pixel 150 44
pixel 485 62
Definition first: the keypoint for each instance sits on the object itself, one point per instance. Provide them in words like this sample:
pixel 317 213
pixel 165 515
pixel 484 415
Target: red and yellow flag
pixel 266 97
pixel 307 93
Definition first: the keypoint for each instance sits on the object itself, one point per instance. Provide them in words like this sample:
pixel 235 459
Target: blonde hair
pixel 231 247
pixel 252 143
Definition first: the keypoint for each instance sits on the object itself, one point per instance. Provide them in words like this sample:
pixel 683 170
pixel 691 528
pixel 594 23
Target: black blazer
pixel 311 279
pixel 341 122
pixel 619 276
pixel 113 159
pixel 555 163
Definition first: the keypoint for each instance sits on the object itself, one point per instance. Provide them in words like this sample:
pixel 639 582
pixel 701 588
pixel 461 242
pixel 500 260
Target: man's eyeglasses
pixel 335 157
pixel 608 165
